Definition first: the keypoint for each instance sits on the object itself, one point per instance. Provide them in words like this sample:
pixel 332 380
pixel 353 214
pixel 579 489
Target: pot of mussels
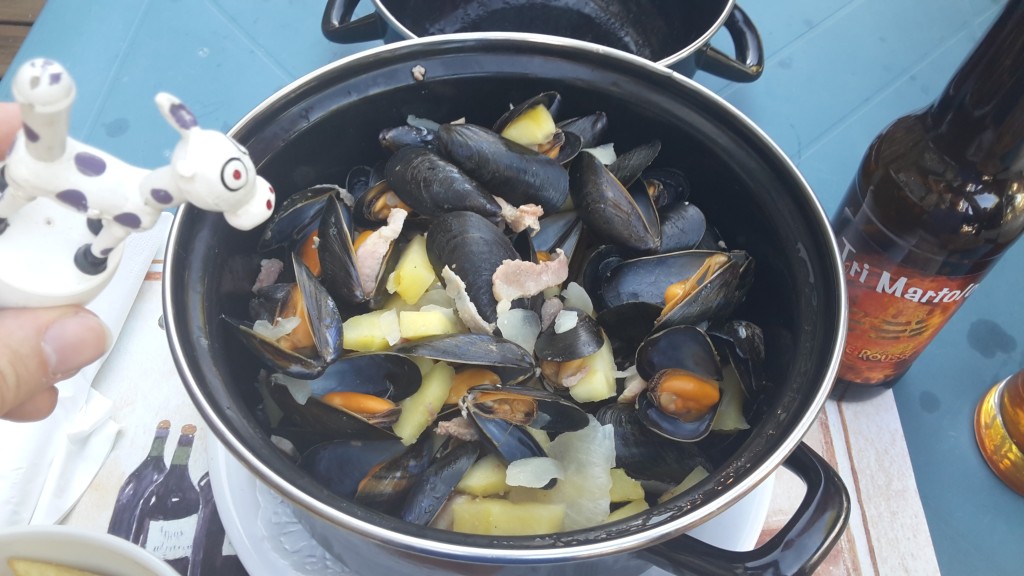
pixel 522 307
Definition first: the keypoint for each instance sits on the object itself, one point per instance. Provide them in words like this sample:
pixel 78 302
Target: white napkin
pixel 46 466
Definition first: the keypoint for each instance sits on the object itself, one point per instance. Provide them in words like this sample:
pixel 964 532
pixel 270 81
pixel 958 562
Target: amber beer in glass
pixel 999 428
pixel 938 198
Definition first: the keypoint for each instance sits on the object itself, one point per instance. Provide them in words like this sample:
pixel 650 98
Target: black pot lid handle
pixel 338 25
pixel 798 548
pixel 748 63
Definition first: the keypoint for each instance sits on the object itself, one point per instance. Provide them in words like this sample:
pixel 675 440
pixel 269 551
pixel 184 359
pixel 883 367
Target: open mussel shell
pixel 508 440
pixel 720 286
pixel 296 217
pixel 361 178
pixel 434 186
pixel 525 406
pixel 510 361
pixel 372 207
pixel 608 209
pixel 682 370
pixel 550 100
pixel 338 270
pixel 472 248
pixel 684 347
pixel 667 186
pixel 645 455
pixel 324 323
pixel 386 485
pixel 718 283
pixel 516 173
pixel 340 465
pixel 386 375
pixel 438 481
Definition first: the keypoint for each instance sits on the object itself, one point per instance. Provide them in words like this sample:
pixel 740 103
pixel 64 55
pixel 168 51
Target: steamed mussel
pixel 505 322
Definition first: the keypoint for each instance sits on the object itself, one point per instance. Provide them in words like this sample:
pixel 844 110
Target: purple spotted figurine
pixel 207 169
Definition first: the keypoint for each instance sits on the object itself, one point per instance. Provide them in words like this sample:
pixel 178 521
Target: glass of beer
pixel 999 428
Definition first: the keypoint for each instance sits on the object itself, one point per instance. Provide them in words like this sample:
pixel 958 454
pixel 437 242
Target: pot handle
pixel 801 545
pixel 749 61
pixel 338 25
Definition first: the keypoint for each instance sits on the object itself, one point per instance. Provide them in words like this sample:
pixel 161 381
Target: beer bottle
pixel 938 198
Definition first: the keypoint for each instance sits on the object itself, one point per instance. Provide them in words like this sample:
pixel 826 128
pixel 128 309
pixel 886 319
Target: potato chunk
pixel 532 128
pixel 496 517
pixel 413 273
pixel 420 409
pixel 371 332
pixel 624 488
pixel 415 324
pixel 485 478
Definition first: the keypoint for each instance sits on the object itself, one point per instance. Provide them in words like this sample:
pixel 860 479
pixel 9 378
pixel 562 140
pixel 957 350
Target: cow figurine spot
pixel 208 169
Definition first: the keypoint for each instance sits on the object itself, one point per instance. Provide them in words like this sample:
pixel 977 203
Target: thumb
pixel 40 346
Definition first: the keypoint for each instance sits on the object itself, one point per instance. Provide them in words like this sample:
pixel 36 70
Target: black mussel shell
pixel 583 339
pixel 516 173
pixel 509 441
pixel 673 187
pixel 683 226
pixel 372 207
pixel 607 208
pixel 384 374
pixel 472 248
pixel 360 179
pixel 338 271
pixel 525 406
pixel 296 217
pixel 433 186
pixel 645 455
pixel 595 269
pixel 683 347
pixel 436 484
pixel 340 465
pixel 742 342
pixel 628 167
pixel 717 296
pixel 590 128
pixel 510 361
pixel 325 325
pixel 561 230
pixel 386 486
pixel 666 425
pixel 550 100
pixel 405 135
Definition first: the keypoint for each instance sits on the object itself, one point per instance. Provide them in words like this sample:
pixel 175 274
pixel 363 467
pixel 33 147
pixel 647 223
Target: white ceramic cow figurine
pixel 208 169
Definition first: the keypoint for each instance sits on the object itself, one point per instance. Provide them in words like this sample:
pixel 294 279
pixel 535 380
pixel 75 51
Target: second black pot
pixel 673 33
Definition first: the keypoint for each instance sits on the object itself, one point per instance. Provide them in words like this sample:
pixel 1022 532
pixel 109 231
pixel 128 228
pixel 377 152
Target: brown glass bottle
pixel 938 198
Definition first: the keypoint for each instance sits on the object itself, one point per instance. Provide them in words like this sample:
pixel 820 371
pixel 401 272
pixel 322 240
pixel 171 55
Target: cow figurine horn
pixel 106 198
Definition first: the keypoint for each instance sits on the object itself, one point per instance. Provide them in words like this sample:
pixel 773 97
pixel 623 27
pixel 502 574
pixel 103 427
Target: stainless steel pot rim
pixel 667 61
pixel 570 550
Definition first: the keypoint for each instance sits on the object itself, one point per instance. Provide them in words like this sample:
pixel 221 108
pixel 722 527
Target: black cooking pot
pixel 315 129
pixel 674 33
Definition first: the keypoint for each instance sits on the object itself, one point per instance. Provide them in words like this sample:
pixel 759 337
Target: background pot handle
pixel 801 545
pixel 749 61
pixel 339 27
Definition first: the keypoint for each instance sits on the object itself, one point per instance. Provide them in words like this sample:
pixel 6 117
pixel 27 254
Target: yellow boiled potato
pixel 368 332
pixel 634 507
pixel 698 474
pixel 531 128
pixel 624 488
pixel 413 274
pixel 484 478
pixel 598 382
pixel 415 324
pixel 25 567
pixel 496 517
pixel 420 409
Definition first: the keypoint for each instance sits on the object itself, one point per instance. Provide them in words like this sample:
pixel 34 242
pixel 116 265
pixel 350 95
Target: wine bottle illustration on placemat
pixel 212 554
pixel 169 512
pixel 138 483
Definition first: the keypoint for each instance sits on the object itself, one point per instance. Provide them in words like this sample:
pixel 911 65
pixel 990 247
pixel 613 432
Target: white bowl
pixel 81 549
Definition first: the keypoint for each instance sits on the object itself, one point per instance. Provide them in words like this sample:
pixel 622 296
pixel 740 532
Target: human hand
pixel 41 346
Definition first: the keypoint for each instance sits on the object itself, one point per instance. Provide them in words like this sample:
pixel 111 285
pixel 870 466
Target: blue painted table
pixel 837 71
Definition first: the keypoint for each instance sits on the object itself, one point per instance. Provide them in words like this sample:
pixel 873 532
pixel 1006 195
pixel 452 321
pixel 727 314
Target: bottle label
pixel 170 539
pixel 895 311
